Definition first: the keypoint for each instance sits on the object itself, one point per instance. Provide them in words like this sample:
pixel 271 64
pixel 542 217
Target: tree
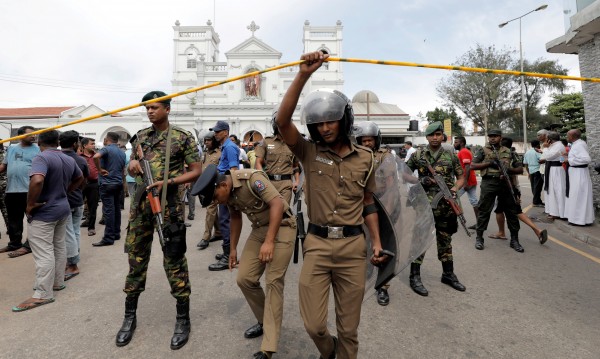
pixel 441 114
pixel 568 109
pixel 498 97
pixel 481 95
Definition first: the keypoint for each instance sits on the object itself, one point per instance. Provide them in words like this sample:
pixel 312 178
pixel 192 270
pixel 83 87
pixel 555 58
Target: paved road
pixel 539 304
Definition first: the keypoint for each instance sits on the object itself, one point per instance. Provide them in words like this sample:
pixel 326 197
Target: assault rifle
pixel 154 199
pixel 448 196
pixel 505 174
pixel 300 231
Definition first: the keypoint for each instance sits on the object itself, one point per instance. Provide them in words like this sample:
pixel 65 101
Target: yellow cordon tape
pixel 338 59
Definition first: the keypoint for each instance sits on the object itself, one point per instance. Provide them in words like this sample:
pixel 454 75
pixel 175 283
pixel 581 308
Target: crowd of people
pixel 58 190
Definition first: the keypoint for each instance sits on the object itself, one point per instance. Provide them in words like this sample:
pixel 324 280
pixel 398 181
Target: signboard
pixel 448 127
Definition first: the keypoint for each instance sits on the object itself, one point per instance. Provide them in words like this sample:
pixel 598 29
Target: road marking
pixel 561 243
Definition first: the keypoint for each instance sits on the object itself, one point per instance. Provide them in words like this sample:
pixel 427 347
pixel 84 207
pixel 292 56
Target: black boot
pixel 479 240
pixel 129 322
pixel 514 244
pixel 182 326
pixel 448 277
pixel 415 280
pixel 222 263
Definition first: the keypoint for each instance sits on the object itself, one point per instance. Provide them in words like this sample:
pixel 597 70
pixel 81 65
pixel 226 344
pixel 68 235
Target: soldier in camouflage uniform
pixel 212 154
pixel 151 143
pixel 447 165
pixel 275 158
pixel 3 188
pixel 368 134
pixel 493 185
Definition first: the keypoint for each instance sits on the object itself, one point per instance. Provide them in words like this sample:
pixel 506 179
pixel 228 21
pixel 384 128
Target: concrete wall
pixel 589 60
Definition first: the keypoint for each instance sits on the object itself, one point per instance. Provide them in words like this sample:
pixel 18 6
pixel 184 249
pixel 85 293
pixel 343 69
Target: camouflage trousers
pixel 444 247
pixel 138 245
pixel 3 203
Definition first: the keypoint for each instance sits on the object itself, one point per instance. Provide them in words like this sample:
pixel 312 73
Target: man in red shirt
pixel 466 157
pixel 90 191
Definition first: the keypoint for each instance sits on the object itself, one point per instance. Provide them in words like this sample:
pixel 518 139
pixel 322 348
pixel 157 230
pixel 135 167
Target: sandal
pixel 496 236
pixel 19 252
pixel 70 275
pixel 543 236
pixel 30 304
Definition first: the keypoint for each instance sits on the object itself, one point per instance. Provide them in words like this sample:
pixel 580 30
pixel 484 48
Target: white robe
pixel 579 206
pixel 555 197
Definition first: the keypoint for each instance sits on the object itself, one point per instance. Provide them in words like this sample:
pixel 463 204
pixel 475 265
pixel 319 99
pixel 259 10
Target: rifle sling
pixel 166 173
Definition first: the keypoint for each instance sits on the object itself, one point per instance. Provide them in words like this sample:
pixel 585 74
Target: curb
pixel 580 235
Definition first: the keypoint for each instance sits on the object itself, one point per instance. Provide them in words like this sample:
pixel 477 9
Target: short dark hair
pixel 535 144
pixel 445 138
pixel 68 138
pixel 22 129
pixel 113 136
pixel 87 140
pixel 408 143
pixel 461 139
pixel 49 138
pixel 506 142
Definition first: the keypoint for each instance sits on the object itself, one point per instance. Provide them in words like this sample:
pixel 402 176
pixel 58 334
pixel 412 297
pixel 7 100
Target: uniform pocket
pixel 322 178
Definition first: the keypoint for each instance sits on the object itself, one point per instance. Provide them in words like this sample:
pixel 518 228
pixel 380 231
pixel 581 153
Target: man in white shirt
pixel 579 205
pixel 409 150
pixel 555 181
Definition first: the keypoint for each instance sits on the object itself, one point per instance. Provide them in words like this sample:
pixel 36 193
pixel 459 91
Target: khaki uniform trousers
pixel 284 187
pixel 266 306
pixel 211 221
pixel 341 264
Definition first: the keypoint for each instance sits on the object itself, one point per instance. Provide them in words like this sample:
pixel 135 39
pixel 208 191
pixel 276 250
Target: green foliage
pixel 498 97
pixel 568 110
pixel 441 114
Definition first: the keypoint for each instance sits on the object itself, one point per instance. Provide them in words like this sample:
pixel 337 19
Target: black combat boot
pixel 514 244
pixel 222 263
pixel 182 326
pixel 415 280
pixel 448 277
pixel 479 240
pixel 129 322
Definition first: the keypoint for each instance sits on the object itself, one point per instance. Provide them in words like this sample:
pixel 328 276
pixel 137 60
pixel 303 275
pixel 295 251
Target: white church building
pixel 247 105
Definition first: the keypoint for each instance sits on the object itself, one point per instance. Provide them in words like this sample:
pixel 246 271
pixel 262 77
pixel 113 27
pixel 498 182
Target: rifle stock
pixel 447 194
pixel 154 200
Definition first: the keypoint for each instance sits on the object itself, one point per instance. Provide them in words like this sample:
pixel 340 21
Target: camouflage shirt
pixel 486 154
pixel 444 163
pixel 153 144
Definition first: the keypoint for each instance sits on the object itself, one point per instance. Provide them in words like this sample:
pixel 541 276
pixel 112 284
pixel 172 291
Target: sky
pixel 109 53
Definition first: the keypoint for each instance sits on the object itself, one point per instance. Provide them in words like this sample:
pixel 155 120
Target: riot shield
pixel 408 228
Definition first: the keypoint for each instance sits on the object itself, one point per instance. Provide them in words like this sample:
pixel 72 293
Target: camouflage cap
pixel 436 126
pixel 494 132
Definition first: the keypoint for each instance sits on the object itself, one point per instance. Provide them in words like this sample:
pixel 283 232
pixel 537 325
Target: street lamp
pixel 523 99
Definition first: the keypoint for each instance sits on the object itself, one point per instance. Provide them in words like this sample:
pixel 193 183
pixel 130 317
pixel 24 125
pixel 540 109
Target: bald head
pixel 573 135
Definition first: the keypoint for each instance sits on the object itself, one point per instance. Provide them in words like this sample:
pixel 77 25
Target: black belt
pixel 491 176
pixel 280 177
pixel 334 232
pixel 568 186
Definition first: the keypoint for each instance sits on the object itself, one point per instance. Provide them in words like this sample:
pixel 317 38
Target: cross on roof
pixel 253 27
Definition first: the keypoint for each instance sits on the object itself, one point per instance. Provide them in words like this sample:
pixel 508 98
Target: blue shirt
pixel 59 170
pixel 230 156
pixel 112 160
pixel 531 159
pixel 75 197
pixel 128 178
pixel 18 160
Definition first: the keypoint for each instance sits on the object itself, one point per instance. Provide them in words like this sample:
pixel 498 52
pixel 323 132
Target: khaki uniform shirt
pixel 277 157
pixel 211 157
pixel 251 192
pixel 335 185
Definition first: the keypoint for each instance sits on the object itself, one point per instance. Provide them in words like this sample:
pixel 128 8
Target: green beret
pixel 494 132
pixel 436 126
pixel 156 94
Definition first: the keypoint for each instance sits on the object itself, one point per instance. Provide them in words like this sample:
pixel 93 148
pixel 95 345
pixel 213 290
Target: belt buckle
pixel 277 177
pixel 335 232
